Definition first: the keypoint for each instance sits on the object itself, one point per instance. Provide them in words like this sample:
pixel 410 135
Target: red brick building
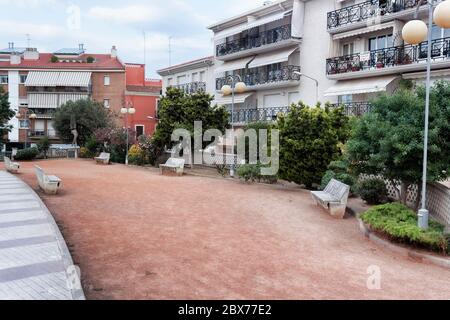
pixel 38 83
pixel 143 95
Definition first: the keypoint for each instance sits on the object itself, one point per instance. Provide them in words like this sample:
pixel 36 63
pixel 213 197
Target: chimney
pixel 15 58
pixel 31 54
pixel 81 47
pixel 113 52
pixel 10 45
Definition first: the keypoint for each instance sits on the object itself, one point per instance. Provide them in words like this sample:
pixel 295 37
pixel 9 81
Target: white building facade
pixel 192 76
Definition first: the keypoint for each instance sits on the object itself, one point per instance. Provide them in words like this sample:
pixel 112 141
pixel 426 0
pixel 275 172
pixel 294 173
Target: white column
pixel 298 19
pixel 13 91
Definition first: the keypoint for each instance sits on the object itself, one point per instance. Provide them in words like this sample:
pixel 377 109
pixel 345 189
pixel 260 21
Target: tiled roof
pixel 152 89
pixel 102 62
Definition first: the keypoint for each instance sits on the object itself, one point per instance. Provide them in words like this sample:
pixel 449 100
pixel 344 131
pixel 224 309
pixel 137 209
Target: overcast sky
pixel 55 24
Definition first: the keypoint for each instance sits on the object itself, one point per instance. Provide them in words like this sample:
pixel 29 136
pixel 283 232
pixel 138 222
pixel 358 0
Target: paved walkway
pixel 34 259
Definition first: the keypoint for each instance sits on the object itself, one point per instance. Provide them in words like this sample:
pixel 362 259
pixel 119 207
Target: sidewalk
pixel 34 259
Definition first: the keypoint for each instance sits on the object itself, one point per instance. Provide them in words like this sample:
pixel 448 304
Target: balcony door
pixel 378 46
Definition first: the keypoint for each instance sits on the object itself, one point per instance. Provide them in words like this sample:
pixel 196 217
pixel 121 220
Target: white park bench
pixel 49 184
pixel 172 167
pixel 103 158
pixel 334 198
pixel 10 166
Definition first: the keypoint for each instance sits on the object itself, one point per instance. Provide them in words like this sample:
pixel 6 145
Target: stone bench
pixel 334 198
pixel 49 184
pixel 173 167
pixel 103 158
pixel 10 166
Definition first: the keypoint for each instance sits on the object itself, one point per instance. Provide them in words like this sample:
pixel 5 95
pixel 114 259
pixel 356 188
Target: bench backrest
pixel 7 161
pixel 337 189
pixel 104 155
pixel 40 174
pixel 175 162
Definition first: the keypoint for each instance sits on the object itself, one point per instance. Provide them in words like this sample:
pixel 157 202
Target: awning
pixel 364 30
pixel 233 65
pixel 58 79
pixel 52 100
pixel 238 98
pixel 42 101
pixel 42 79
pixel 360 86
pixel 272 57
pixel 65 97
pixel 246 26
pixel 74 79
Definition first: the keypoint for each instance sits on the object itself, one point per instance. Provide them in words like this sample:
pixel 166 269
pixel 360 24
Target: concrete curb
pixel 403 251
pixel 65 253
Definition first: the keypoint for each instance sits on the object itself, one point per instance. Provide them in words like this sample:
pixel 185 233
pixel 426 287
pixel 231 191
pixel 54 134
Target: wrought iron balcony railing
pixel 367 10
pixel 259 76
pixel 255 115
pixel 389 57
pixel 356 109
pixel 249 42
pixel 192 87
pixel 42 133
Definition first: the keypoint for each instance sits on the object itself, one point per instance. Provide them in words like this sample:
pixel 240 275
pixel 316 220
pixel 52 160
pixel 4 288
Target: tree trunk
pixel 404 193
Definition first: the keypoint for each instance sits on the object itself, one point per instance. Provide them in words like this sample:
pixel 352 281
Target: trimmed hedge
pixel 373 191
pixel 399 224
pixel 26 154
pixel 252 172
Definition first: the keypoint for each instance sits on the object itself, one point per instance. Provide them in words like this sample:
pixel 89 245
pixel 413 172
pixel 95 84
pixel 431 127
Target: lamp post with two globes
pixel 239 87
pixel 415 32
pixel 29 115
pixel 126 111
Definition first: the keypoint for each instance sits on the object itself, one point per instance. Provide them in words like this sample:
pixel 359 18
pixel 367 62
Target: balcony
pixel 362 12
pixel 278 37
pixel 262 78
pixel 42 133
pixel 244 116
pixel 356 109
pixel 390 60
pixel 192 87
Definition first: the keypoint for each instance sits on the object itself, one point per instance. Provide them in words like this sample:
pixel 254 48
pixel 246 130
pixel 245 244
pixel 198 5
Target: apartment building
pixel 279 50
pixel 38 83
pixel 369 55
pixel 192 76
pixel 143 94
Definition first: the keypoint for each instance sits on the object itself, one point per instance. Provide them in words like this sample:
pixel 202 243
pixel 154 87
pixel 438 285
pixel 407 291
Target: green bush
pixel 373 191
pixel 252 172
pixel 399 224
pixel 339 170
pixel 43 146
pixel 26 154
pixel 54 59
pixel 90 59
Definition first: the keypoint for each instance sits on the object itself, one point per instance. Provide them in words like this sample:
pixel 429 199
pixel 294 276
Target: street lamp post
pixel 239 87
pixel 311 78
pixel 27 116
pixel 126 111
pixel 415 32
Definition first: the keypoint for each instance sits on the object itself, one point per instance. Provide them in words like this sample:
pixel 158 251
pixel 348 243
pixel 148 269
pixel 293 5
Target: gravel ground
pixel 138 235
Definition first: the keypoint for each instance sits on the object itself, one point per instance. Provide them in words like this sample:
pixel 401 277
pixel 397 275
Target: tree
pixel 310 138
pixel 180 110
pixel 88 116
pixel 43 146
pixel 5 115
pixel 389 140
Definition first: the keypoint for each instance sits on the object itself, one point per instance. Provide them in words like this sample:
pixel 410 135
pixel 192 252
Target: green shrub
pixel 373 191
pixel 252 172
pixel 90 59
pixel 26 154
pixel 136 156
pixel 54 59
pixel 85 153
pixel 43 146
pixel 399 224
pixel 342 177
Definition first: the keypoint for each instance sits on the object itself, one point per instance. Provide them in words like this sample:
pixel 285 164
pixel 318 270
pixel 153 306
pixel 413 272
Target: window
pixel 195 77
pixel 106 103
pixel 23 78
pixel 3 79
pixel 169 82
pixel 24 124
pixel 345 99
pixel 381 42
pixel 107 80
pixel 348 49
pixel 139 130
pixel 181 79
pixel 202 76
